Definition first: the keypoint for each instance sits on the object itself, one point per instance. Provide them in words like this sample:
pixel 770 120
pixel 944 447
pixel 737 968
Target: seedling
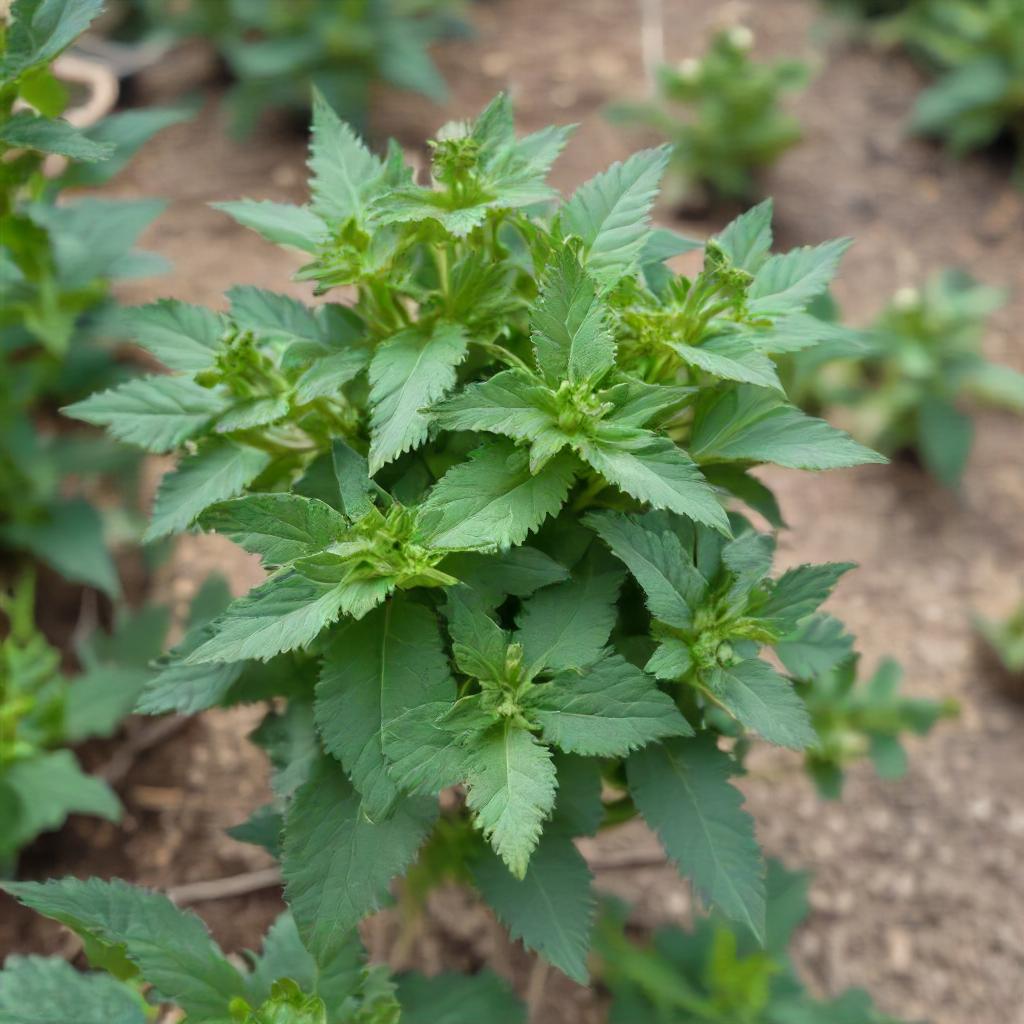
pixel 1003 640
pixel 722 114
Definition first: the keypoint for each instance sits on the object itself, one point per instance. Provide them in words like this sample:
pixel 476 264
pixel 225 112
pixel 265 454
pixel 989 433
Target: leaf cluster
pixel 1004 638
pixel 723 116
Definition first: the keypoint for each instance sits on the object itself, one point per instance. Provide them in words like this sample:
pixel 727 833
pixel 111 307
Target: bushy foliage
pixel 923 365
pixel 722 114
pixel 57 263
pixel 277 49
pixel 157 954
pixel 716 974
pixel 490 492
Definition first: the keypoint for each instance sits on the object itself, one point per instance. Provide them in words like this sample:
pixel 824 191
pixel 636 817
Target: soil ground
pixel 918 888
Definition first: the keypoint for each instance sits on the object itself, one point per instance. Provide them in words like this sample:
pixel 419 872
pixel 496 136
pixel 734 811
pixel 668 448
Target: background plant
pixel 1004 640
pixel 277 49
pixel 722 115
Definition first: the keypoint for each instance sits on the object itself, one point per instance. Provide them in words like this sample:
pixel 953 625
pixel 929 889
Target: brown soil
pixel 918 892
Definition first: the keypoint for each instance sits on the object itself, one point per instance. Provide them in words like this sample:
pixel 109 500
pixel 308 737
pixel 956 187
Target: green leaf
pixel 748 489
pixel 671 582
pixel 511 790
pixel 819 644
pixel 48 990
pixel 798 592
pixel 181 336
pixel 731 357
pixel 787 282
pixel 682 789
pixel 25 130
pixel 479 644
pixel 48 787
pixel 281 223
pixel 337 864
pixel 326 376
pixel 612 709
pixel 374 671
pixel 566 626
pixel 286 612
pixel 218 470
pixel 748 239
pixel 652 469
pixel 277 318
pixel 519 572
pixel 764 702
pixel 568 325
pixel 410 371
pixel 509 403
pixel 748 424
pixel 40 29
pixel 551 909
pixel 945 435
pixel 277 527
pixel 457 998
pixel 170 947
pixel 493 500
pixel 99 699
pixel 344 170
pixel 610 213
pixel 156 413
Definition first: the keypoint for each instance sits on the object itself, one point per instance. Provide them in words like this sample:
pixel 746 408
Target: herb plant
pixel 347 49
pixel 923 365
pixel 1003 640
pixel 722 114
pixel 57 264
pixel 715 974
pixel 490 493
pixel 157 954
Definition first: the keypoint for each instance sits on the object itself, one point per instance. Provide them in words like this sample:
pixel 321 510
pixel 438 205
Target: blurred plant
pixel 157 954
pixel 722 115
pixel 1004 640
pixel 43 711
pixel 57 263
pixel 924 361
pixel 277 49
pixel 716 973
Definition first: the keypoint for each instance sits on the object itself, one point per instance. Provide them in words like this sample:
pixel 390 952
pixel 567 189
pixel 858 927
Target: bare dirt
pixel 919 889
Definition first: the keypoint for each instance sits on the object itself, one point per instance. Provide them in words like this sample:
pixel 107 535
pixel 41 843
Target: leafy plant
pixel 715 974
pixel 507 371
pixel 1004 639
pixel 923 362
pixel 722 116
pixel 346 49
pixel 57 263
pixel 43 712
pixel 155 954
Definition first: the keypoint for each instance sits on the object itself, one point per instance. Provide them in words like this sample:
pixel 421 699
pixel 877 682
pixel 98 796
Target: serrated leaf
pixel 652 469
pixel 337 864
pixel 610 710
pixel 764 702
pixel 748 424
pixel 682 789
pixel 48 990
pixel 566 626
pixel 275 317
pixel 786 282
pixel 493 500
pixel 374 671
pixel 818 645
pixel 748 239
pixel 409 372
pixel 479 644
pixel 219 470
pixel 731 357
pixel 798 592
pixel 277 527
pixel 40 29
pixel 671 582
pixel 568 325
pixel 610 213
pixel 281 223
pixel 171 948
pixel 156 413
pixel 509 403
pixel 511 784
pixel 457 998
pixel 518 572
pixel 183 337
pixel 25 130
pixel 254 412
pixel 551 909
pixel 326 377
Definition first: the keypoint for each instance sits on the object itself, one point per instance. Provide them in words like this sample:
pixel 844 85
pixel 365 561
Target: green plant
pixel 57 263
pixel 277 49
pixel 1004 639
pixel 506 370
pixel 157 954
pixel 924 363
pixel 715 974
pixel 43 712
pixel 722 116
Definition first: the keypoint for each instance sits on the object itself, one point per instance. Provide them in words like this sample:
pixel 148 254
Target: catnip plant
pixel 499 495
pixel 347 49
pixel 722 114
pixel 58 261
